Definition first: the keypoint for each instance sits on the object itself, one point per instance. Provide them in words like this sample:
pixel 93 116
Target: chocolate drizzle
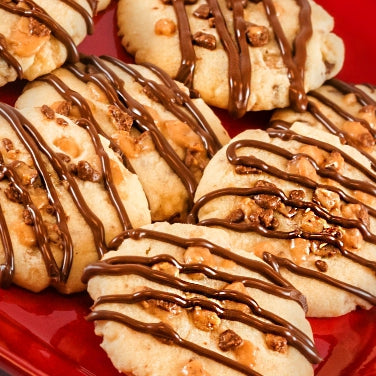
pixel 260 319
pixel 168 94
pixel 326 238
pixel 38 13
pixel 18 124
pixel 239 62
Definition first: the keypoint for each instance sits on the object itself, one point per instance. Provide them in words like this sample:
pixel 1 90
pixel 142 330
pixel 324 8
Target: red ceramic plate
pixel 46 333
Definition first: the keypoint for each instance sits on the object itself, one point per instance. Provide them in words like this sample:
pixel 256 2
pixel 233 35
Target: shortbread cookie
pixel 342 109
pixel 230 51
pixel 176 300
pixel 305 204
pixel 37 36
pixel 166 137
pixel 64 195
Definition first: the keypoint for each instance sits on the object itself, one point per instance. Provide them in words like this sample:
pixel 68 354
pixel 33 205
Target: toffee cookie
pixel 342 109
pixel 37 36
pixel 305 204
pixel 176 300
pixel 240 55
pixel 64 194
pixel 166 137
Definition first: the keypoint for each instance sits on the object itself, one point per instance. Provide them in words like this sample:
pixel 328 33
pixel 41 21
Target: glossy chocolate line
pixel 61 169
pixel 340 111
pixel 286 292
pixel 92 126
pixel 332 128
pixel 294 336
pixel 165 333
pixel 345 88
pixel 323 172
pixel 252 265
pixel 298 204
pixel 39 14
pixel 84 13
pixel 186 70
pixel 38 224
pixel 17 123
pixel 172 98
pixel 9 58
pixel 295 64
pixel 280 131
pixel 107 174
pixel 6 269
pixel 277 262
pixel 146 122
pixel 239 71
pixel 199 118
pixel 112 96
pixel 119 266
pixel 260 165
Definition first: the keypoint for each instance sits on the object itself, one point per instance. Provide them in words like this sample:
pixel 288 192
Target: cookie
pixel 64 195
pixel 39 36
pixel 239 55
pixel 177 300
pixel 166 137
pixel 342 109
pixel 305 204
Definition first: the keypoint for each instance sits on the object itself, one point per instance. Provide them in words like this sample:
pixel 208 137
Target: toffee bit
pixel 38 29
pixel 229 340
pixel 61 122
pixel 257 35
pixel 48 112
pixel 13 194
pixel 205 40
pixel 276 343
pixel 321 265
pixel 64 108
pixel 27 217
pixel 122 120
pixel 203 12
pixel 7 144
pixel 86 172
pixel 236 216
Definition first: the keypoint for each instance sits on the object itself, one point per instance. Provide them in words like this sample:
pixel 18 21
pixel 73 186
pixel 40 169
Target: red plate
pixel 46 333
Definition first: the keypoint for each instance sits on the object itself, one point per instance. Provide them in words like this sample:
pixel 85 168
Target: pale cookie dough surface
pixel 167 138
pixel 150 31
pixel 92 197
pixel 281 200
pixel 192 315
pixel 36 48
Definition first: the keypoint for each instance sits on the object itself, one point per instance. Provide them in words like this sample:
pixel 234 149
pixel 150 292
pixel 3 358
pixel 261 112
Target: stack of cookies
pixel 204 255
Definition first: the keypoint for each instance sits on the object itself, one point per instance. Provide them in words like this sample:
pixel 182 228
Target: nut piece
pixel 203 11
pixel 193 368
pixel 165 26
pixel 236 216
pixel 205 40
pixel 321 265
pixel 48 112
pixel 257 35
pixel 119 118
pixel 359 135
pixel 205 320
pixel 276 343
pixel 84 171
pixel 229 340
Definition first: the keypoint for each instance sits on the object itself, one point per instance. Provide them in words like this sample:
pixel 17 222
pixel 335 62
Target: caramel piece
pixel 68 145
pixel 276 343
pixel 205 40
pixel 193 368
pixel 229 340
pixel 205 320
pixel 246 354
pixel 165 27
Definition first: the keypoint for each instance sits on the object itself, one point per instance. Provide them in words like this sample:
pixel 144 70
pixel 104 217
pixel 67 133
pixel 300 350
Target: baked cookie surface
pixel 230 52
pixel 166 137
pixel 176 299
pixel 39 36
pixel 65 194
pixel 305 203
